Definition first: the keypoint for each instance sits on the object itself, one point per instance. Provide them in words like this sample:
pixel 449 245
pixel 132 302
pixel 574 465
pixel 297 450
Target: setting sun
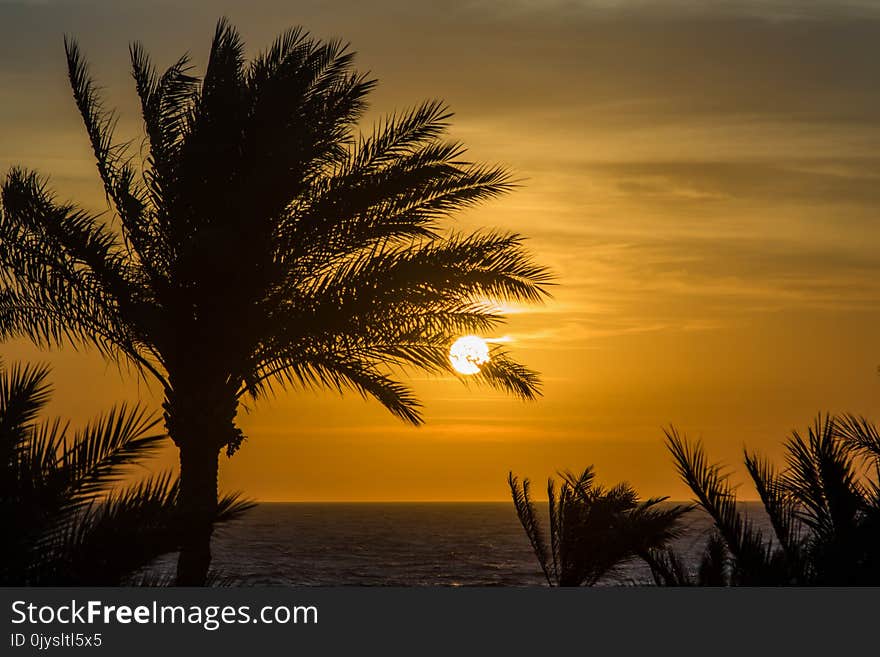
pixel 467 354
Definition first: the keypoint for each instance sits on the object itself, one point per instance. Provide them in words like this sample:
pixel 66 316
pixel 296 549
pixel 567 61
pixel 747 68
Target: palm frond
pixel 226 63
pixel 167 103
pixel 528 518
pixel 860 434
pixel 403 200
pixel 108 540
pixel 112 159
pixel 339 371
pixel 231 507
pixel 66 278
pixel 716 496
pixel 505 374
pixel 24 392
pixel 778 504
pixel 94 459
pixel 822 478
pixel 303 100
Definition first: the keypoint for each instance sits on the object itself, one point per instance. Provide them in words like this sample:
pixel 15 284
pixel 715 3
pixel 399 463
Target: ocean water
pixel 407 544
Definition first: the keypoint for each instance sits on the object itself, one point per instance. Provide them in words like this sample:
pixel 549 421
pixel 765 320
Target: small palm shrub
pixel 593 530
pixel 67 517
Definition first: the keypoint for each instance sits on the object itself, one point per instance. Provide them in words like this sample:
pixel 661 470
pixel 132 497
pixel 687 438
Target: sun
pixel 467 354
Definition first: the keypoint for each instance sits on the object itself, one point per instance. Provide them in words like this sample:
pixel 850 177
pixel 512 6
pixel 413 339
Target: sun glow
pixel 467 354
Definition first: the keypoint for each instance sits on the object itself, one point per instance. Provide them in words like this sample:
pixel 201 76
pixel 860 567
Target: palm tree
pixel 823 506
pixel 65 520
pixel 593 530
pixel 265 242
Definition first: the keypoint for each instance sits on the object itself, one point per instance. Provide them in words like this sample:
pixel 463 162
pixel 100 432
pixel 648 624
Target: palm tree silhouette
pixel 823 506
pixel 65 519
pixel 593 530
pixel 264 243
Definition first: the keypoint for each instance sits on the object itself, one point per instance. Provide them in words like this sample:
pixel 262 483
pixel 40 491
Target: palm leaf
pixel 778 504
pixel 24 392
pixel 715 495
pixel 95 457
pixel 528 517
pixel 860 434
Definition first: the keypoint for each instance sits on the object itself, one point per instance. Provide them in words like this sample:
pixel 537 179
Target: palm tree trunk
pixel 198 507
pixel 200 418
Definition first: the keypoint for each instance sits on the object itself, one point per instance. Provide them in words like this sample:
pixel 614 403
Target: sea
pixel 402 544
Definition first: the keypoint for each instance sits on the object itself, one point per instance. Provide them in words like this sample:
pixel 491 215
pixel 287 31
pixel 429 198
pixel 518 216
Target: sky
pixel 702 177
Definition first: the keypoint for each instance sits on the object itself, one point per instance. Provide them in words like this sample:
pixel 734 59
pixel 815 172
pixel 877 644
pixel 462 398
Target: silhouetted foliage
pixel 263 242
pixel 593 530
pixel 65 519
pixel 824 507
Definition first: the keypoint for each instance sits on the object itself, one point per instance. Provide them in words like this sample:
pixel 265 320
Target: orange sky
pixel 704 179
